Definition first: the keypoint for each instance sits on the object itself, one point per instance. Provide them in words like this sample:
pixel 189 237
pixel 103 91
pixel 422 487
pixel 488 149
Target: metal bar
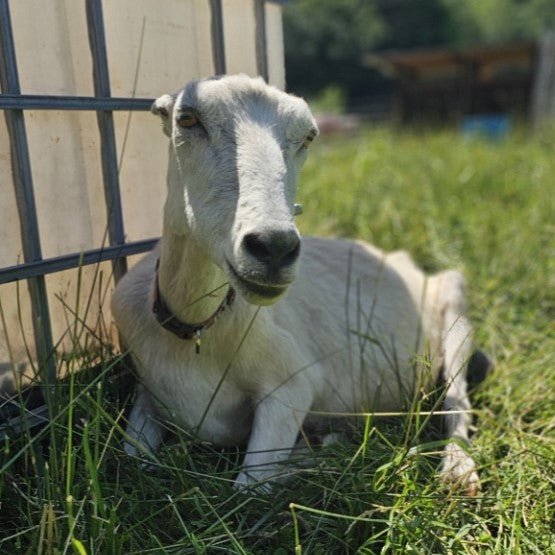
pixel 261 42
pixel 25 199
pixel 217 31
pixel 74 260
pixel 50 102
pixel 101 77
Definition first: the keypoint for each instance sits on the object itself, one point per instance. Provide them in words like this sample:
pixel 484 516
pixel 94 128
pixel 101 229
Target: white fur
pixel 353 325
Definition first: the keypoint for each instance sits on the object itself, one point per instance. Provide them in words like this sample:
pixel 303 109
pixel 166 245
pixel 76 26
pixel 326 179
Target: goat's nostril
pixel 256 248
pixel 273 247
pixel 293 254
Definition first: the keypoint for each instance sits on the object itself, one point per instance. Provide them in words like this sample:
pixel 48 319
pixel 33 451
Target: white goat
pixel 353 326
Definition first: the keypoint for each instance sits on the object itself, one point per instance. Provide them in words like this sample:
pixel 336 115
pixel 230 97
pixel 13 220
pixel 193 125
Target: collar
pixel 169 321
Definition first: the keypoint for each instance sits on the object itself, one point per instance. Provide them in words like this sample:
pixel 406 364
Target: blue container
pixel 489 126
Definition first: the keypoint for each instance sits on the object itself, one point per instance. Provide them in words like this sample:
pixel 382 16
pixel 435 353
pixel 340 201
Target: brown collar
pixel 169 321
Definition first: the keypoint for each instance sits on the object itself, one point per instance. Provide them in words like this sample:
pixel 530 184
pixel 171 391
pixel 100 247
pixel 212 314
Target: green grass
pixel 485 208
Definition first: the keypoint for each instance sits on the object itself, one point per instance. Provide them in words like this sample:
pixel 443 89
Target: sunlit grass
pixel 486 208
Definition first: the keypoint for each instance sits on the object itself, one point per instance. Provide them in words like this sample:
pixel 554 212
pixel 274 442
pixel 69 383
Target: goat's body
pixel 351 355
pixel 358 330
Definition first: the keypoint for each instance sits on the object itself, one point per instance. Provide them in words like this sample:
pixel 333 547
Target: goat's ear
pixel 163 107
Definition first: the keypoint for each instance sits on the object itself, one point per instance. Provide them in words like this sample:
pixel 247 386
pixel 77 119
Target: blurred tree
pixel 325 40
pixel 414 23
pixel 499 20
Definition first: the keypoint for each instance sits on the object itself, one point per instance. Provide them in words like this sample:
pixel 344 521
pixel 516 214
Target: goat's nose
pixel 275 248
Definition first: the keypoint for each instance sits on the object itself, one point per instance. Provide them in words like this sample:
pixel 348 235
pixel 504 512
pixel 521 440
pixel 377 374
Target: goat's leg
pixel 277 421
pixel 143 426
pixel 458 467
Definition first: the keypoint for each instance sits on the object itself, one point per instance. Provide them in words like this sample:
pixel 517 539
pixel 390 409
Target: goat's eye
pixel 308 139
pixel 187 119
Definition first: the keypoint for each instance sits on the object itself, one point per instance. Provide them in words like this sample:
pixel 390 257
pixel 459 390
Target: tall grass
pixel 485 208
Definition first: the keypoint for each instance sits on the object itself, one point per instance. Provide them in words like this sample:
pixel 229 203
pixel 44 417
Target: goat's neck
pixel 190 283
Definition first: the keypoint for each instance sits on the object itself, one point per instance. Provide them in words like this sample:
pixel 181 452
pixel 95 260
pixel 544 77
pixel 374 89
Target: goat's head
pixel 236 149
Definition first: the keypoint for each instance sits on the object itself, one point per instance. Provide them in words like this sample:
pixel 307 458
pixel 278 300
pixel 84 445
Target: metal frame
pixel 217 30
pixel 260 39
pixel 34 267
pixel 108 150
pixel 25 198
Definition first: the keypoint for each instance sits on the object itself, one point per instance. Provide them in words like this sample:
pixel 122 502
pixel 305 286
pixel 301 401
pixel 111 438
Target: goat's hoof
pixel 334 438
pixel 132 452
pixel 245 482
pixel 130 449
pixel 459 469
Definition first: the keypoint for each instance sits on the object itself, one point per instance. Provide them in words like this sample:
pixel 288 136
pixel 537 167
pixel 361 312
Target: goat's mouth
pixel 253 291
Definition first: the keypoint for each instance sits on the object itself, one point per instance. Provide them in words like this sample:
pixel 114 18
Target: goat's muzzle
pixel 265 265
pixel 274 249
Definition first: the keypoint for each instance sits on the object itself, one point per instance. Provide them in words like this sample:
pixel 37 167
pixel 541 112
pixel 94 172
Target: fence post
pixel 543 93
pixel 217 31
pixel 260 40
pixel 25 199
pixel 101 77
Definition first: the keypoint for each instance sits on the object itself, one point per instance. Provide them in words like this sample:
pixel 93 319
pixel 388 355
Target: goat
pixel 351 321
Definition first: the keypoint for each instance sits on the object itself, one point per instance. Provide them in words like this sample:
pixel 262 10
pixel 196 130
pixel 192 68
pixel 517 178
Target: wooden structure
pixel 447 84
